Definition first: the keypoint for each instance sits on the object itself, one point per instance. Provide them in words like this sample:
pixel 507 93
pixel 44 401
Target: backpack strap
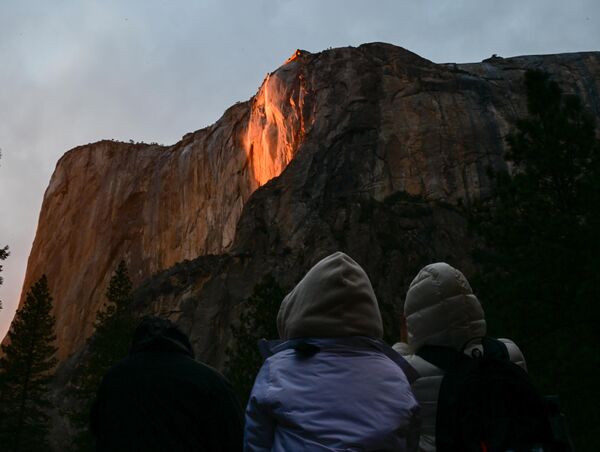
pixel 409 371
pixel 494 348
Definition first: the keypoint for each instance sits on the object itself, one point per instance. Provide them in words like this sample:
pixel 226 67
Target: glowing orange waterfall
pixel 276 124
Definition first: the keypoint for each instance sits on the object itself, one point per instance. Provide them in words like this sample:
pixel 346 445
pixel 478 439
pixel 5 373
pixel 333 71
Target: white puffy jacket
pixel 440 309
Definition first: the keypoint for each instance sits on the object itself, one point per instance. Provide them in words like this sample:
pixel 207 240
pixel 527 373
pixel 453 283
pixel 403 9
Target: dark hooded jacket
pixel 160 399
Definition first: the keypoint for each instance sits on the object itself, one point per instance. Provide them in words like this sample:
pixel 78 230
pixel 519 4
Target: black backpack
pixel 487 403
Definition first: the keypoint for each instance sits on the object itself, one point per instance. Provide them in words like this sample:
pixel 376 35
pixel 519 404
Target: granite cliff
pixel 368 150
pixel 154 206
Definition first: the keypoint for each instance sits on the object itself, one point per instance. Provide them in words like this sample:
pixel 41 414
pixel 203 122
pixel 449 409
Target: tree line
pixel 538 257
pixel 28 360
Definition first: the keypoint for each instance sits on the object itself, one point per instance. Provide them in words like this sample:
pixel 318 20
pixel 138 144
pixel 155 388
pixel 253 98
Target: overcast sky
pixel 74 72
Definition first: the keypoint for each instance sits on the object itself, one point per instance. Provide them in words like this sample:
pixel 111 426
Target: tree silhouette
pixel 539 281
pixel 28 358
pixel 257 321
pixel 110 342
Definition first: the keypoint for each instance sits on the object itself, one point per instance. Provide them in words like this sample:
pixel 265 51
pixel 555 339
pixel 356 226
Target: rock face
pixel 367 150
pixel 154 206
pixel 396 143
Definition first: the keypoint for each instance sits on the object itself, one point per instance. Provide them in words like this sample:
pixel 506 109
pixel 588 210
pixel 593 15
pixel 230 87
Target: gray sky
pixel 74 72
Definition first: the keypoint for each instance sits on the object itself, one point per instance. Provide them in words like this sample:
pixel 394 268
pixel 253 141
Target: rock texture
pixel 396 144
pixel 368 150
pixel 154 206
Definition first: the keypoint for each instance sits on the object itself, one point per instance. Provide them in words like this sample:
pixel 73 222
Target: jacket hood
pixel 440 309
pixel 334 299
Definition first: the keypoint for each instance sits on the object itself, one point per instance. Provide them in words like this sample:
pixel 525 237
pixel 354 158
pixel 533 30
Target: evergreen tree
pixel 110 343
pixel 539 282
pixel 28 358
pixel 257 321
pixel 3 255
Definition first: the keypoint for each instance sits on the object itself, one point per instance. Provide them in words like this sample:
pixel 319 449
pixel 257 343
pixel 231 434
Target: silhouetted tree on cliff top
pixel 3 255
pixel 540 262
pixel 110 342
pixel 25 373
pixel 257 321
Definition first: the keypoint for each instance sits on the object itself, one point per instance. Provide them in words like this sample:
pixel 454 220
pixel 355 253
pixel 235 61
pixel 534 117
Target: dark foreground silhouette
pixel 160 399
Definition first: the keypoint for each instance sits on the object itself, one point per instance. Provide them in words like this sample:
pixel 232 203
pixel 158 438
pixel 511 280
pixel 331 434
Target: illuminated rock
pixel 154 206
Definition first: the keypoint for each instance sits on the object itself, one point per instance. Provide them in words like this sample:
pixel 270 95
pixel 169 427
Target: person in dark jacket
pixel 160 399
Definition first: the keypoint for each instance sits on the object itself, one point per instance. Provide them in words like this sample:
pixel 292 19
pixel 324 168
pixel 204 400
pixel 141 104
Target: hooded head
pixel 334 299
pixel 158 334
pixel 440 309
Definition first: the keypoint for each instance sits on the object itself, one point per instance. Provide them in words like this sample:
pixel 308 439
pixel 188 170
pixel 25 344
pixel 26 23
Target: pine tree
pixel 110 342
pixel 540 274
pixel 25 371
pixel 257 321
pixel 3 255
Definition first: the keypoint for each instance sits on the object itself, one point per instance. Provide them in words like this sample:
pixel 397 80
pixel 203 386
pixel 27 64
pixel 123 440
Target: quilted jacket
pixel 441 309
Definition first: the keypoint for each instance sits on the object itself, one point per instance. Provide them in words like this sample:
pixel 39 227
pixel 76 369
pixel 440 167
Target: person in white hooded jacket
pixel 441 309
pixel 331 383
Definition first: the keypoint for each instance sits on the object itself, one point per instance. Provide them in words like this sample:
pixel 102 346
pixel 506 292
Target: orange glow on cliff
pixel 275 127
pixel 295 56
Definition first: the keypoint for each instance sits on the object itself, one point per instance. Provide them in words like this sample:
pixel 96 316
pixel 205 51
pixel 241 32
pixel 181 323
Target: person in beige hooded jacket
pixel 441 309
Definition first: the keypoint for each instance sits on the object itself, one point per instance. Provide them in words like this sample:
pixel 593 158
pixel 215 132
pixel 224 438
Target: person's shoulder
pixel 204 379
pixel 424 368
pixel 125 366
pixel 280 361
pixel 206 371
pixel 403 348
